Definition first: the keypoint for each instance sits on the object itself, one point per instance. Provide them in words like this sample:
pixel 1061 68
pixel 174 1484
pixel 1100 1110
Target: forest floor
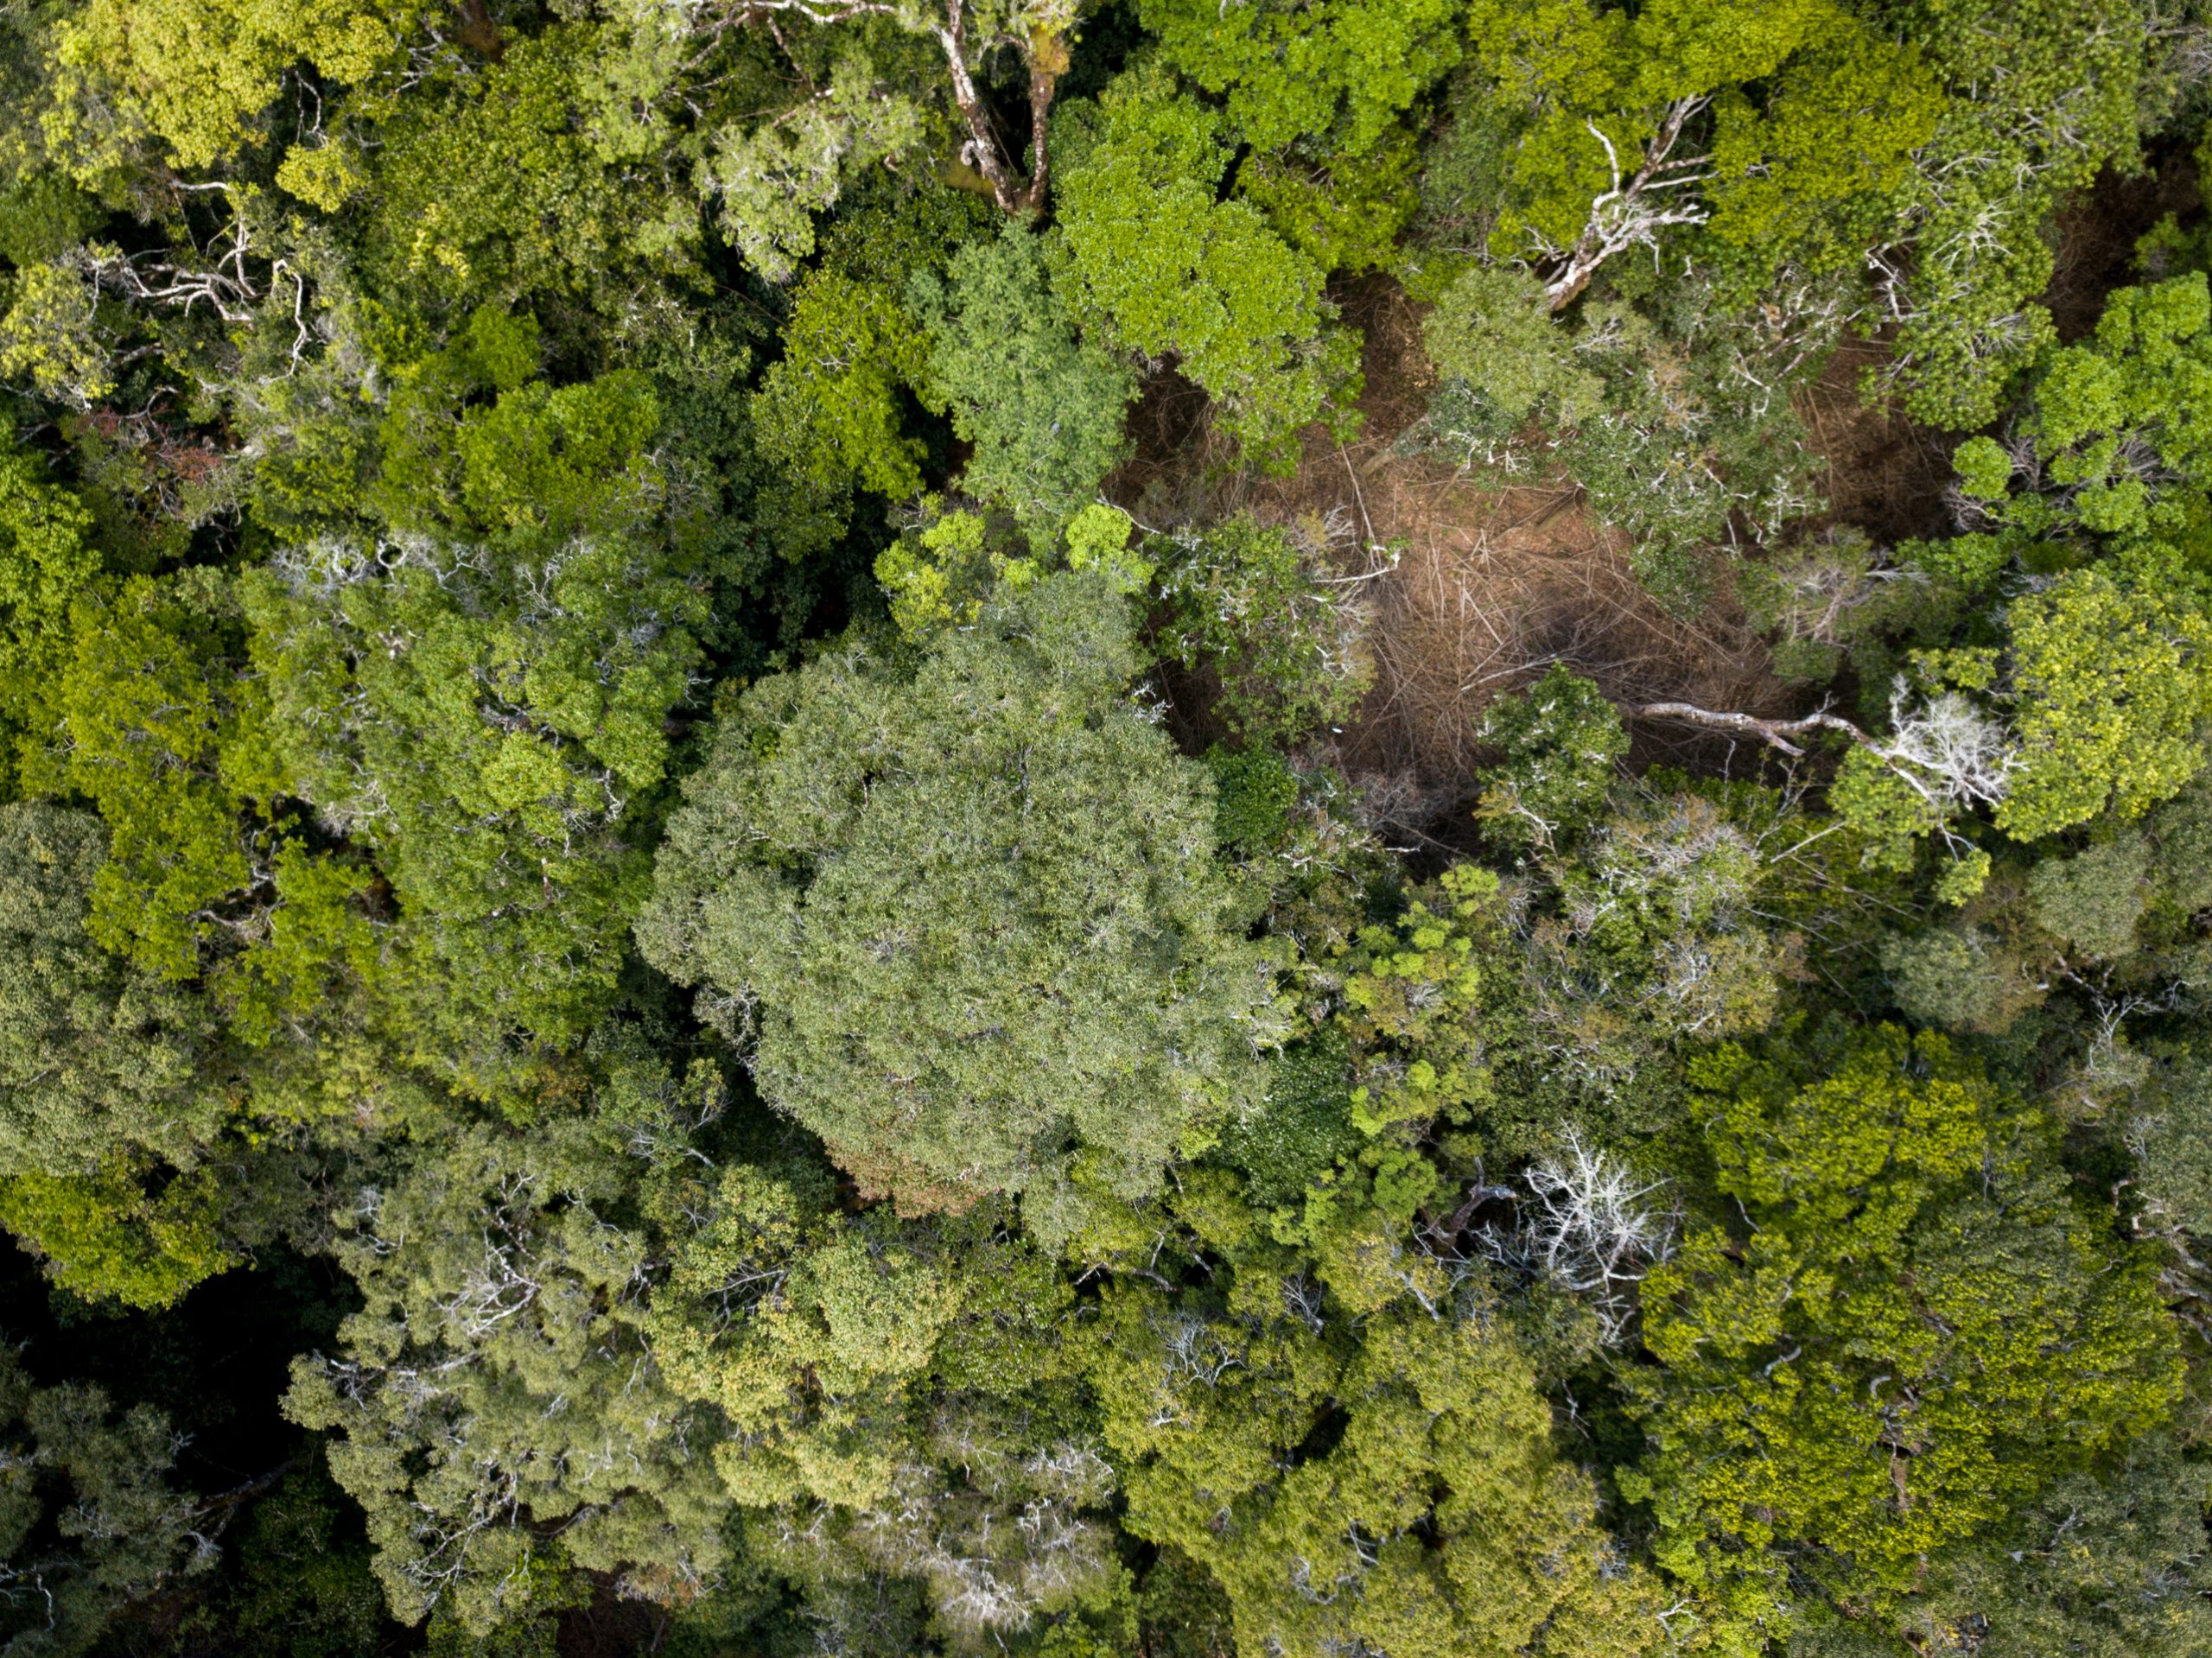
pixel 1470 589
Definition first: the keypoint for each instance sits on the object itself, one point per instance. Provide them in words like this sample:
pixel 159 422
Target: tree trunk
pixel 479 32
pixel 1776 733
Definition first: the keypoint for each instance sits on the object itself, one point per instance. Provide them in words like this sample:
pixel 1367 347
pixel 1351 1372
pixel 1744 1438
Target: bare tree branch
pixel 1776 733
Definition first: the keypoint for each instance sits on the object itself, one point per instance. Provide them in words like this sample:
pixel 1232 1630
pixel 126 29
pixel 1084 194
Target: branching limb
pixel 1776 733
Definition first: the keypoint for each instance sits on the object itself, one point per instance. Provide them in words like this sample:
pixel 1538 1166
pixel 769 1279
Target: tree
pixel 502 1418
pixel 2107 1564
pixel 2107 440
pixel 44 564
pixel 1344 72
pixel 1562 743
pixel 2110 686
pixel 829 409
pixel 1041 402
pixel 154 718
pixel 1652 927
pixel 1038 34
pixel 552 171
pixel 2039 98
pixel 1252 604
pixel 478 693
pixel 1680 432
pixel 969 920
pixel 769 183
pixel 899 1398
pixel 204 77
pixel 1916 1333
pixel 1434 1516
pixel 1161 265
pixel 1613 151
pixel 105 1081
pixel 89 1519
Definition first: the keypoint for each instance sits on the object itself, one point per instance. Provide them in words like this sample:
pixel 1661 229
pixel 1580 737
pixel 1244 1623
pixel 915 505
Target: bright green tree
pixel 1911 1331
pixel 1344 71
pixel 1435 1518
pixel 154 718
pixel 204 77
pixel 44 564
pixel 1162 266
pixel 2109 687
pixel 1634 124
pixel 2109 427
pixel 829 410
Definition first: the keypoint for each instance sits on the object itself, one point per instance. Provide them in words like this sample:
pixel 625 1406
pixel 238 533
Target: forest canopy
pixel 1106 828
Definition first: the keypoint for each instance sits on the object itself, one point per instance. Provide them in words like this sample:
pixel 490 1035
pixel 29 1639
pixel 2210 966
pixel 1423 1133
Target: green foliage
pixel 1160 266
pixel 1676 433
pixel 89 1520
pixel 1255 607
pixel 1836 597
pixel 1005 853
pixel 104 1076
pixel 1812 114
pixel 1956 977
pixel 44 565
pixel 2040 97
pixel 2106 430
pixel 829 410
pixel 129 1231
pixel 2110 685
pixel 1652 930
pixel 898 1400
pixel 204 77
pixel 938 575
pixel 770 182
pixel 2106 1565
pixel 1413 1520
pixel 1041 403
pixel 944 569
pixel 2169 1137
pixel 497 1266
pixel 2093 902
pixel 298 1579
pixel 1254 794
pixel 44 216
pixel 1561 743
pixel 474 446
pixel 57 333
pixel 154 718
pixel 1345 217
pixel 527 177
pixel 487 725
pixel 1303 1127
pixel 1861 1379
pixel 1344 72
pixel 1492 331
pixel 718 1024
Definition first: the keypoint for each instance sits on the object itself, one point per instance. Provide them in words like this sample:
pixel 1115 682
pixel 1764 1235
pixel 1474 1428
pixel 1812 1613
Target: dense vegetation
pixel 701 951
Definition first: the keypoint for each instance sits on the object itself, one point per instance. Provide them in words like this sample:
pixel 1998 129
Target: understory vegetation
pixel 1366 829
